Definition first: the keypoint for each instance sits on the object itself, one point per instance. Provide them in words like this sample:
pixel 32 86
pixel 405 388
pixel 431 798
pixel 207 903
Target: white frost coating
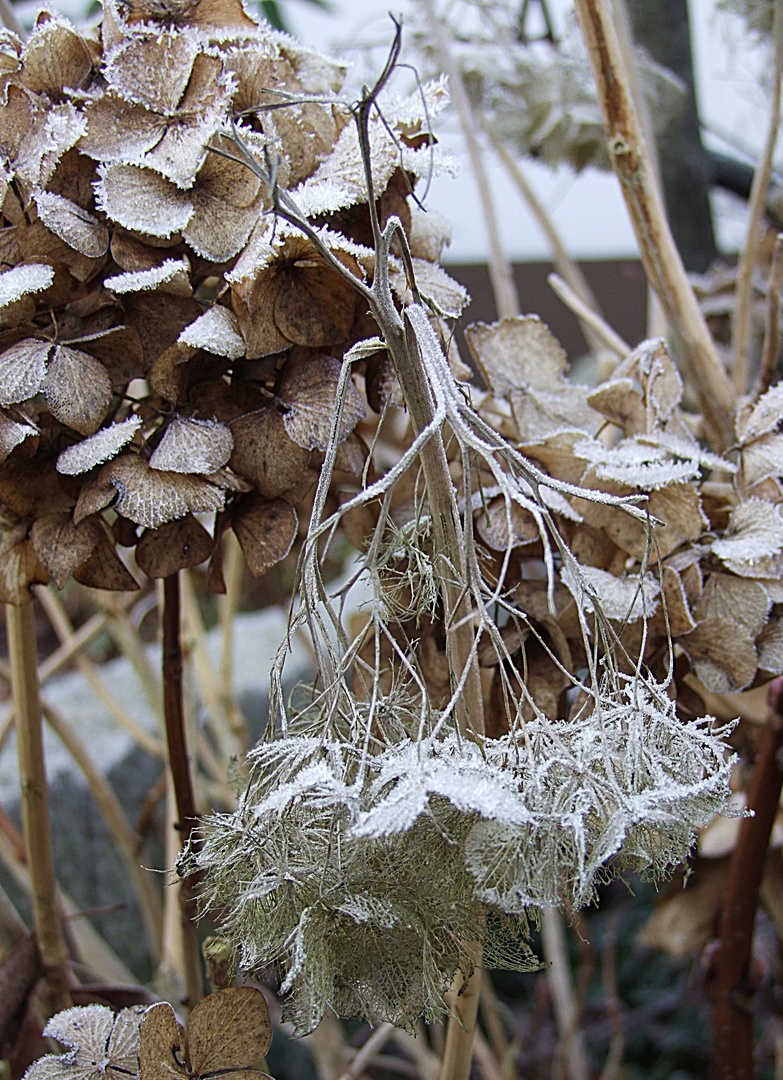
pixel 627 598
pixel 755 532
pixel 217 331
pixel 100 447
pixel 637 465
pixel 141 280
pixel 29 278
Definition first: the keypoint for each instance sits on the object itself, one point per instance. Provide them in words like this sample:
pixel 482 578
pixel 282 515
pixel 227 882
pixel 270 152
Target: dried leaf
pixel 734 599
pixel 151 497
pixel 229 1029
pixel 621 403
pixel 193 446
pixel 22 370
pixel 447 297
pixel 637 464
pixel 308 388
pixel 177 545
pixel 265 455
pixel 627 598
pixel 161 1045
pixel 516 353
pixel 61 545
pixel 762 458
pixel 266 531
pixel 55 57
pixel 755 531
pixel 77 227
pixel 78 389
pixel 216 331
pixel 21 280
pixel 104 445
pixel 684 920
pixel 225 195
pixel 170 277
pixel 770 646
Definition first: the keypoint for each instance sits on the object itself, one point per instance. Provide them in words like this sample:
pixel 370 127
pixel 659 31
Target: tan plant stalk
pixel 461 1028
pixel 769 351
pixel 553 941
pixel 228 605
pixel 501 274
pixel 368 1051
pixel 663 266
pixel 34 791
pixel 741 329
pixel 130 644
pixel 124 837
pixel 601 330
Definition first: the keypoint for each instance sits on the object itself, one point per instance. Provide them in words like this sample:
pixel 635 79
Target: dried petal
pixel 61 545
pixel 755 531
pixel 20 567
pixel 309 390
pixel 517 353
pixel 55 57
pixel 627 598
pixel 21 280
pixel 230 1029
pixel 216 331
pixel 78 228
pixel 78 389
pixel 503 525
pixel 264 453
pixel 152 70
pixel 734 599
pixel 104 445
pixel 770 647
pixel 151 497
pixel 170 277
pixel 105 570
pixel 762 458
pixel 13 433
pixel 265 530
pixel 161 1045
pixel 177 545
pixel 22 370
pixel 193 446
pixel 142 200
pixel 764 417
pixel 722 654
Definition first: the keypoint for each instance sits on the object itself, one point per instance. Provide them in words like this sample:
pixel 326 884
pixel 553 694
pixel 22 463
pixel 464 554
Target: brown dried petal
pixel 105 569
pixel 20 567
pixel 55 57
pixel 21 280
pixel 170 277
pixel 309 390
pixel 755 531
pixel 152 70
pixel 659 377
pixel 22 370
pixel 77 227
pixel 78 389
pixel 722 654
pixel 193 446
pixel 224 197
pixel 516 353
pixel 502 526
pixel 739 600
pixel 216 331
pixel 120 351
pixel 104 445
pixel 770 646
pixel 96 494
pixel 762 458
pixel 764 417
pixel 61 545
pixel 117 131
pixel 619 402
pixel 13 433
pixel 177 545
pixel 265 530
pixel 314 305
pixel 161 1045
pixel 229 1029
pixel 151 497
pixel 143 200
pixel 678 618
pixel 447 296
pixel 264 453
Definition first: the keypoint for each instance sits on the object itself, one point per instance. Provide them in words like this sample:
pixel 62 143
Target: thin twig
pixel 601 330
pixel 662 263
pixel 758 194
pixel 733 990
pixel 179 763
pixel 34 790
pixel 771 347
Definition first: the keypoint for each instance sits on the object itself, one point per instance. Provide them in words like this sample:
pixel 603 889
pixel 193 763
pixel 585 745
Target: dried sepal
pixel 105 569
pixel 193 446
pixel 20 566
pixel 142 200
pixel 19 281
pixel 761 418
pixel 177 545
pixel 722 653
pixel 78 389
pixel 150 497
pixel 76 226
pixel 100 447
pixel 755 532
pixel 170 277
pixel 13 432
pixel 22 370
pixel 308 389
pixel 226 198
pixel 516 353
pixel 55 57
pixel 265 529
pixel 229 1029
pixel 739 600
pixel 216 331
pixel 61 545
pixel 265 455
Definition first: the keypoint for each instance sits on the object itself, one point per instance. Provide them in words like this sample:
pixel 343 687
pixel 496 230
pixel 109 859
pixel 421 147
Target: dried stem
pixel 662 263
pixel 600 329
pixel 741 330
pixel 733 989
pixel 228 605
pixel 179 764
pixel 771 347
pixel 501 274
pixel 461 1028
pixel 20 621
pixel 368 1051
pixel 564 1001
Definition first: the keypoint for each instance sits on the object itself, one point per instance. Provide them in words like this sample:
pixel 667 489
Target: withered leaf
pixel 77 227
pixel 22 370
pixel 151 497
pixel 229 1029
pixel 21 280
pixel 61 545
pixel 755 531
pixel 308 388
pixel 266 531
pixel 216 331
pixel 193 446
pixel 264 453
pixel 502 525
pixel 78 389
pixel 100 447
pixel 739 600
pixel 177 545
pixel 515 353
pixel 105 569
pixel 20 567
